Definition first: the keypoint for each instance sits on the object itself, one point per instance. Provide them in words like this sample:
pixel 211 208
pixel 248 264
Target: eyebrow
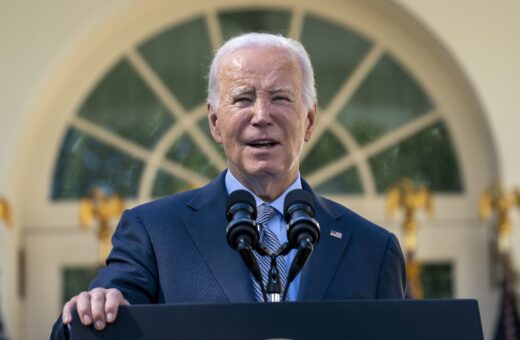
pixel 241 91
pixel 245 90
pixel 281 90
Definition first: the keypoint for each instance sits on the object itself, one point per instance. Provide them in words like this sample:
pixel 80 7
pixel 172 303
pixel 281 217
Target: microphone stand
pixel 274 285
pixel 303 253
pixel 246 252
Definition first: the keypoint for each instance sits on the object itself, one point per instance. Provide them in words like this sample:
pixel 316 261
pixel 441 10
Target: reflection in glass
pixel 325 151
pixel 180 56
pixel 388 98
pixel 76 280
pixel 335 52
pixel 203 124
pixel 85 162
pixel 347 182
pixel 426 158
pixel 123 103
pixel 166 184
pixel 185 152
pixel 437 280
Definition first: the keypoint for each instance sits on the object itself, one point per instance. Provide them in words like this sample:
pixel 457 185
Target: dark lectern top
pixel 357 320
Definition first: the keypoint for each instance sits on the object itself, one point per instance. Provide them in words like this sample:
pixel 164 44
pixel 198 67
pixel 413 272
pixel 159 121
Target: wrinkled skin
pixel 96 307
pixel 262 119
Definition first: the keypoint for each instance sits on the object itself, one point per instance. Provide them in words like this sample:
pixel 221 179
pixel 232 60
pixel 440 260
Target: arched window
pixel 143 128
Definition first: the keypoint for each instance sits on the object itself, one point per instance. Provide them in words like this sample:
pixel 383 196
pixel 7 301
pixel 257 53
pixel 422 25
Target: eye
pixel 242 100
pixel 282 98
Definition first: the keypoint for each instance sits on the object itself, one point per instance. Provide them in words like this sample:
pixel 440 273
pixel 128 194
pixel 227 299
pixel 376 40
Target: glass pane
pixel 76 280
pixel 185 152
pixel 346 182
pixel 437 280
pixel 204 126
pixel 335 52
pixel 387 99
pixel 180 56
pixel 122 103
pixel 84 162
pixel 426 158
pixel 236 22
pixel 166 184
pixel 325 151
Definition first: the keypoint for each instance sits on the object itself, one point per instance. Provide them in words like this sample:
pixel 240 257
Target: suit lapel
pixel 207 226
pixel 321 266
pixel 207 223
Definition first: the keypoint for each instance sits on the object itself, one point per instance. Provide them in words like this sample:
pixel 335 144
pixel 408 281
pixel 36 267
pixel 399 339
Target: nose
pixel 262 113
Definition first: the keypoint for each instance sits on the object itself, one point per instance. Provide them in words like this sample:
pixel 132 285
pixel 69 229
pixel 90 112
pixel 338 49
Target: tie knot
pixel 265 213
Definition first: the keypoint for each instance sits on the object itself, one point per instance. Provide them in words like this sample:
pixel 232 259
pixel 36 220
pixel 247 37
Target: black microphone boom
pixel 303 231
pixel 243 232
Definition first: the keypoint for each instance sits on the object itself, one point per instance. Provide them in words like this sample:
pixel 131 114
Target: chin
pixel 273 170
pixel 260 170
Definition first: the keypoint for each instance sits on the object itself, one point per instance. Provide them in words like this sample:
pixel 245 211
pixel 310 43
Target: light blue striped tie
pixel 269 239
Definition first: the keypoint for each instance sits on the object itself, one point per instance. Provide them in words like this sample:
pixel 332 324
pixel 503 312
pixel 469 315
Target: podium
pixel 357 320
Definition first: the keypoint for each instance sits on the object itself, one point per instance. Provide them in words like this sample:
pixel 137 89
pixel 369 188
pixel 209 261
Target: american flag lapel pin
pixel 336 234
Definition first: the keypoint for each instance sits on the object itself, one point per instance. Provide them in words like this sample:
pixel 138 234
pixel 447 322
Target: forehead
pixel 263 62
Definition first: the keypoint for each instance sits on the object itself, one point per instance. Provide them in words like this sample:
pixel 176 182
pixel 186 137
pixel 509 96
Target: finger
pixel 114 298
pixel 83 307
pixel 97 305
pixel 66 315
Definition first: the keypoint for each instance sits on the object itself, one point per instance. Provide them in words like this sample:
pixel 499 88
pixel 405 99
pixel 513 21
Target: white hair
pixel 263 40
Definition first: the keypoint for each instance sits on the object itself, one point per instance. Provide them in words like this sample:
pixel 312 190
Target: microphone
pixel 303 231
pixel 242 231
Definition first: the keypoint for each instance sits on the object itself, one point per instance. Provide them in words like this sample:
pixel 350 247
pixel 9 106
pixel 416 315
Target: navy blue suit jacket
pixel 174 250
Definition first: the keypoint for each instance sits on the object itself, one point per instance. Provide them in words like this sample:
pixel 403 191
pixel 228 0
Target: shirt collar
pixel 233 184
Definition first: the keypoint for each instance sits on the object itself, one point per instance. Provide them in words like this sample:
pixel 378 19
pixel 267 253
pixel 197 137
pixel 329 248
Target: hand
pixel 98 306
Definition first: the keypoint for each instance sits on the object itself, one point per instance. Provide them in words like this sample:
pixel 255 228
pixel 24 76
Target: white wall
pixel 34 38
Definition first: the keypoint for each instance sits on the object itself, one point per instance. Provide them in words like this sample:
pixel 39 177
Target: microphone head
pixel 241 214
pixel 297 198
pixel 242 197
pixel 299 216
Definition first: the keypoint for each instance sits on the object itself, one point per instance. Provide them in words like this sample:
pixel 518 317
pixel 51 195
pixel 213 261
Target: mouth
pixel 262 143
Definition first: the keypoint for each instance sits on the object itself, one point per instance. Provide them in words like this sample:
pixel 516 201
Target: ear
pixel 311 122
pixel 214 124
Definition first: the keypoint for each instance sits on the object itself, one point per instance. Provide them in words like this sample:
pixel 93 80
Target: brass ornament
pixel 100 207
pixel 406 196
pixel 496 201
pixel 409 198
pixel 5 212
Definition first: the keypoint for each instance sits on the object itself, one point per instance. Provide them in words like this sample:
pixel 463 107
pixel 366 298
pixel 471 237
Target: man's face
pixel 262 119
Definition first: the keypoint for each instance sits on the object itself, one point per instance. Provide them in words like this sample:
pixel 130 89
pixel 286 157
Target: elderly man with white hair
pixel 262 108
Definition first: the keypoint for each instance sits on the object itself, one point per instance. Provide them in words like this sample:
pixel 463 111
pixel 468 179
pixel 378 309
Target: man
pixel 261 108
